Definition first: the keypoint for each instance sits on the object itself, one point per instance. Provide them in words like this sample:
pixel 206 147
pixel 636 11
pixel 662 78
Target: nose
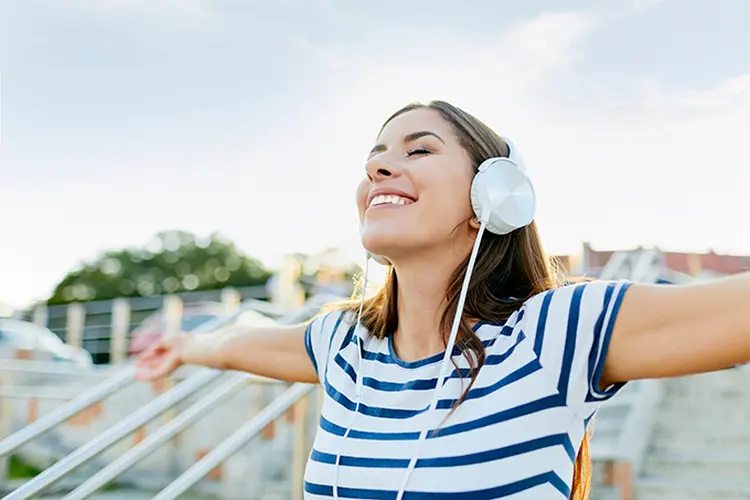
pixel 378 169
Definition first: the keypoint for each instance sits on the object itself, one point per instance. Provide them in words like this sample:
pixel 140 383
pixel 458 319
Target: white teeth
pixel 389 199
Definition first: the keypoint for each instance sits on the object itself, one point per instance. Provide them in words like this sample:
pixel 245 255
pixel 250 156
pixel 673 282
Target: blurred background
pixel 167 163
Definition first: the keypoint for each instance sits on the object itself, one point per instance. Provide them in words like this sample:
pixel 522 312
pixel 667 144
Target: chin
pixel 390 245
pixel 386 244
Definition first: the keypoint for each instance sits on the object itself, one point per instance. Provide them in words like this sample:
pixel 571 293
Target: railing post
pixel 120 329
pixel 6 422
pixel 299 447
pixel 75 324
pixel 172 315
pixel 231 299
pixel 619 475
pixel 40 315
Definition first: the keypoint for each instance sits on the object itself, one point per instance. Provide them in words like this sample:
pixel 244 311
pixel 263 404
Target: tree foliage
pixel 174 262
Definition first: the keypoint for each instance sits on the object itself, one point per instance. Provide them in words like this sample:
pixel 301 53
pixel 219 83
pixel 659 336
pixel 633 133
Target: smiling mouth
pixel 389 199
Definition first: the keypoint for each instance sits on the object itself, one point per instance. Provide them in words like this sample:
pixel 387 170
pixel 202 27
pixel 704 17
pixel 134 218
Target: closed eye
pixel 417 151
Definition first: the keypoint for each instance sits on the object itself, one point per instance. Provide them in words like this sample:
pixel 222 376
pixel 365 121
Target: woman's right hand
pixel 161 359
pixel 274 351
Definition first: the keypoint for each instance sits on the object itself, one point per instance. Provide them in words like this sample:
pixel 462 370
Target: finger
pixel 158 370
pixel 149 361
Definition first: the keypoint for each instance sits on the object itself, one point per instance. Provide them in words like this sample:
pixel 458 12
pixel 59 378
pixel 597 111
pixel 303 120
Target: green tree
pixel 173 262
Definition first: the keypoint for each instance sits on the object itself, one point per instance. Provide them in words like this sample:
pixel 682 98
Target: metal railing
pixel 136 420
pixel 66 411
pixel 626 421
pixel 235 442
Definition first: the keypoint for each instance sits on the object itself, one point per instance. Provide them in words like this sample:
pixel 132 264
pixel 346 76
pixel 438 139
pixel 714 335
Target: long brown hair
pixel 509 270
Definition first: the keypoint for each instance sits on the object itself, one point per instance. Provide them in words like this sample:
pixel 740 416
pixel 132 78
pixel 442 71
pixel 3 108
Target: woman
pixel 534 360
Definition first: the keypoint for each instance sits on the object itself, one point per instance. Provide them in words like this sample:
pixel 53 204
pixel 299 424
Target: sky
pixel 123 118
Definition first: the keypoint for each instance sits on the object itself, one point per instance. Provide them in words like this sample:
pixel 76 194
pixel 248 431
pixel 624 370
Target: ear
pixel 475 223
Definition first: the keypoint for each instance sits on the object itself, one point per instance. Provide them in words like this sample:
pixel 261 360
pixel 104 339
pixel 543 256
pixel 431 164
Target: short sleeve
pixel 319 337
pixel 571 329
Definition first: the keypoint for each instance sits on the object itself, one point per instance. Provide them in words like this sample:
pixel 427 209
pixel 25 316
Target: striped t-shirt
pixel 517 433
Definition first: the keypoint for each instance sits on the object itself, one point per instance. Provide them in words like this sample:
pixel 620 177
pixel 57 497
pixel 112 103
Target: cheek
pixel 449 200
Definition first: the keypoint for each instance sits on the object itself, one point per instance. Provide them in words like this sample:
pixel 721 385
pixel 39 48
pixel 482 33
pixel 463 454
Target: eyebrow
pixel 379 148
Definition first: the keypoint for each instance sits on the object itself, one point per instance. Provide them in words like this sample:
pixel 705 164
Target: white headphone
pixel 502 195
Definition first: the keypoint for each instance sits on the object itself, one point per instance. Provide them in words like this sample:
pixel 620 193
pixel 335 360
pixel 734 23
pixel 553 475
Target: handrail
pixel 234 442
pixel 35 392
pixel 66 411
pixel 93 395
pixel 613 265
pixel 120 430
pixel 160 436
pixel 54 368
pixel 179 423
pixel 99 443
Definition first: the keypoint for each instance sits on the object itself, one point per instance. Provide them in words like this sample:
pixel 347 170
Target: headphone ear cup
pixel 503 196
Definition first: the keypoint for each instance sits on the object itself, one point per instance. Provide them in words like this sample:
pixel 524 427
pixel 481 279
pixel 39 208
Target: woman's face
pixel 415 197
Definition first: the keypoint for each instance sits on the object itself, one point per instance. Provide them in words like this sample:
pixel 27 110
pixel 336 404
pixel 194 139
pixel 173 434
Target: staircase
pixel 700 446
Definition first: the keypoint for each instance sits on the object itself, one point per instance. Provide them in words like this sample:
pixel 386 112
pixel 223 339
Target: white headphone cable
pixel 358 390
pixel 446 357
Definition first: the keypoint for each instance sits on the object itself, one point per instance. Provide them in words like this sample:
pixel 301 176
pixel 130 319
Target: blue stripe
pixel 390 358
pixel 542 323
pixel 333 334
pixel 349 337
pixel 545 403
pixel 337 430
pixel 598 329
pixel 496 359
pixel 552 401
pixel 610 391
pixel 587 420
pixel 422 384
pixel 497 492
pixel 309 347
pixel 372 411
pixel 454 461
pixel 480 392
pixel 571 338
pixel 443 404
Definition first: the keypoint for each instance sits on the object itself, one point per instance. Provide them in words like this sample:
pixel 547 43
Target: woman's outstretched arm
pixel 271 351
pixel 674 330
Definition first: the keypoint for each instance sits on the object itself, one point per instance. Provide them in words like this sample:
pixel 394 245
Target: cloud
pixel 186 9
pixel 546 43
pixel 329 58
pixel 643 5
pixel 651 101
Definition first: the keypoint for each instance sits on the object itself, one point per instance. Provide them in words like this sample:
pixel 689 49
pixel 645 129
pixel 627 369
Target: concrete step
pixel 697 408
pixel 684 426
pixel 599 492
pixel 690 489
pixel 730 441
pixel 709 384
pixel 732 468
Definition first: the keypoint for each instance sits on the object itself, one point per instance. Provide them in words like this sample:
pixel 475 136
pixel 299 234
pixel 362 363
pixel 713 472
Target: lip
pixel 388 192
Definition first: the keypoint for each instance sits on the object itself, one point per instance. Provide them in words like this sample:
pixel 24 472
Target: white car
pixel 19 334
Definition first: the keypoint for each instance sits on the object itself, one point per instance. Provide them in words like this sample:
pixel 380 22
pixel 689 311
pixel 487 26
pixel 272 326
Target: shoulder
pixel 575 296
pixel 330 323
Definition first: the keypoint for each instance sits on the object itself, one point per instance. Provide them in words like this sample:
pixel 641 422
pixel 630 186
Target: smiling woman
pixel 472 373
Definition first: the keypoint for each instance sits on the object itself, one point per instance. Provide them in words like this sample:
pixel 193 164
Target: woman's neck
pixel 422 285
